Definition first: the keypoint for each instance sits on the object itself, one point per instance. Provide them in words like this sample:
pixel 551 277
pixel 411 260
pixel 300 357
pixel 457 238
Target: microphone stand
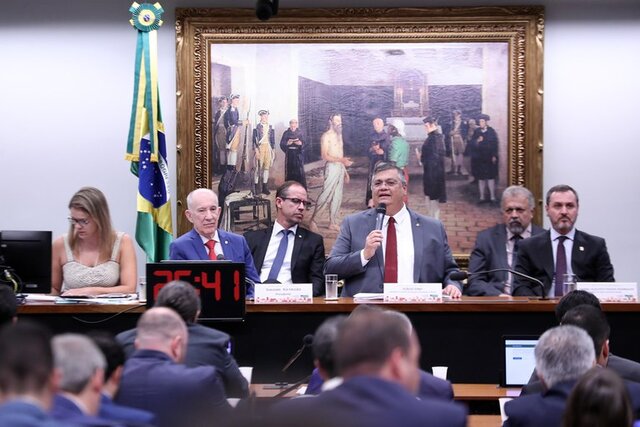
pixel 292 387
pixel 517 273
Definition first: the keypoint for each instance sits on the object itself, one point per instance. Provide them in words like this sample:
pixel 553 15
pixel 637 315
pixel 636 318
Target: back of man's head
pixel 366 340
pixel 111 350
pixel 323 341
pixel 8 305
pixel 593 321
pixel 563 353
pixel 182 298
pixel 77 358
pixel 162 329
pixel 26 360
pixel 574 299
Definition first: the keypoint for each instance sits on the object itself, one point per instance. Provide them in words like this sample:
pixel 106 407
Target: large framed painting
pixel 258 101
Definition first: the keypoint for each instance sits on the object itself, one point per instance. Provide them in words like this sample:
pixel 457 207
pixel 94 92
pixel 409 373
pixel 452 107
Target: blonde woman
pixel 92 258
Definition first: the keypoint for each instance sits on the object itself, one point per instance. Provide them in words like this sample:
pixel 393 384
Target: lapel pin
pixel 299 236
pixel 581 248
pixel 226 242
pixel 417 224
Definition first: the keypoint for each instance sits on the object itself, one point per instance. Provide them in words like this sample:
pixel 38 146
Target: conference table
pixel 464 335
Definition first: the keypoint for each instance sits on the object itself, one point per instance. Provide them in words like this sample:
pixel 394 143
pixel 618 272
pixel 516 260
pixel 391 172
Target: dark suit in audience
pixel 540 409
pixel 155 380
pixel 369 349
pixel 23 413
pixel 368 401
pixel 131 417
pixel 64 409
pixel 205 347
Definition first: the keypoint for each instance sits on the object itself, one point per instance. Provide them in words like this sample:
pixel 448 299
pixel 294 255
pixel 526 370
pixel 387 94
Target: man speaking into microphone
pixel 406 248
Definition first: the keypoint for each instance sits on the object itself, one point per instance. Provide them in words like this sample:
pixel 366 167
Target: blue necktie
pixel 561 265
pixel 277 262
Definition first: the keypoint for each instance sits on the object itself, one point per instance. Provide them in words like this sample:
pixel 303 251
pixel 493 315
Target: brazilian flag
pixel 146 146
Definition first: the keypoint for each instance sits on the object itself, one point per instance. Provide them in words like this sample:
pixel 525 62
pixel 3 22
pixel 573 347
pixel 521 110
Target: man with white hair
pixel 563 354
pixel 81 366
pixel 154 378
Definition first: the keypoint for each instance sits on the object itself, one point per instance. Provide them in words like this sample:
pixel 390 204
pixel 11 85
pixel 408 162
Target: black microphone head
pixel 220 257
pixel 382 209
pixel 459 275
pixel 308 340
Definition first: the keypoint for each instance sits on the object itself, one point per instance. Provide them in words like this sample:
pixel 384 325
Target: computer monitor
pixel 28 255
pixel 519 360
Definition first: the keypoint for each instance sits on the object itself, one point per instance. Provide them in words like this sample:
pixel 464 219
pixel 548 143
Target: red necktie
pixel 391 254
pixel 212 253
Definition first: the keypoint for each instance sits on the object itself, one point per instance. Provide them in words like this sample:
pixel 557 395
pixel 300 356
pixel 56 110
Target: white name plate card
pixel 277 293
pixel 611 291
pixel 412 292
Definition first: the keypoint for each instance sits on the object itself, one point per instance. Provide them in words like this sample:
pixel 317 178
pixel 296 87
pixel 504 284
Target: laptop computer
pixel 518 359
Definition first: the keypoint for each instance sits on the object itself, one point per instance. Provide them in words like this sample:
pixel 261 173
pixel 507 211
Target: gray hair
pixel 518 191
pixel 77 358
pixel 198 190
pixel 564 353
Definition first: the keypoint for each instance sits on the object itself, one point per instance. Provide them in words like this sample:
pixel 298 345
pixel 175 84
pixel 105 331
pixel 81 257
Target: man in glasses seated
pixel 286 252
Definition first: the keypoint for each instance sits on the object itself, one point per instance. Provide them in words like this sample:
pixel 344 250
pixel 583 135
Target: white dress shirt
pixel 284 276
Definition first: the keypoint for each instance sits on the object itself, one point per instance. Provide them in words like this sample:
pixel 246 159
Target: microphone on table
pixel 381 211
pixel 461 275
pixel 307 341
pixel 220 257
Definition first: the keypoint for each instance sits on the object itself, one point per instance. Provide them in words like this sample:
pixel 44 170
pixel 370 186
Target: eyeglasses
pixel 297 201
pixel 80 222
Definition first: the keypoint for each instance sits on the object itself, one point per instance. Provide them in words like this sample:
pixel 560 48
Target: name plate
pixel 412 292
pixel 277 293
pixel 611 291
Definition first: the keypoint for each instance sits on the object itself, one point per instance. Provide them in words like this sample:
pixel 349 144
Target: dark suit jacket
pixel 541 409
pixel 627 369
pixel 206 346
pixel 307 259
pixel 131 417
pixel 589 261
pixel 433 261
pixel 20 413
pixel 546 408
pixel 367 401
pixel 235 248
pixel 66 410
pixel 176 394
pixel 490 253
pixel 430 386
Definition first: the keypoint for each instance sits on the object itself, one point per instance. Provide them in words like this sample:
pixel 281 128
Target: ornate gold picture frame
pixel 363 64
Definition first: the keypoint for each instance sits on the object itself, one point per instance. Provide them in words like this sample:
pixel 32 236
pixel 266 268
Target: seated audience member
pixel 154 378
pixel 325 375
pixel 81 367
pixel 627 369
pixel 497 246
pixel 600 398
pixel 205 241
pixel 359 253
pixel 563 354
pixel 8 305
pixel 27 377
pixel 379 363
pixel 92 258
pixel 563 249
pixel 206 346
pixel 109 410
pixel 302 258
pixel 325 336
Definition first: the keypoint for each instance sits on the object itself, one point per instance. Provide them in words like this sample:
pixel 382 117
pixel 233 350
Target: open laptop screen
pixel 519 360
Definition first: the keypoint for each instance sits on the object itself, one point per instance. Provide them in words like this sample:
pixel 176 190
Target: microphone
pixel 307 341
pixel 220 257
pixel 381 211
pixel 461 275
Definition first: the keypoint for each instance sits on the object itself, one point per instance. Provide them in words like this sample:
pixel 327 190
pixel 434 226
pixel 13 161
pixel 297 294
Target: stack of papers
pixel 368 296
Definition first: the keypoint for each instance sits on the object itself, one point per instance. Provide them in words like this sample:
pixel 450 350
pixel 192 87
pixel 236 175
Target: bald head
pixel 162 329
pixel 203 211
